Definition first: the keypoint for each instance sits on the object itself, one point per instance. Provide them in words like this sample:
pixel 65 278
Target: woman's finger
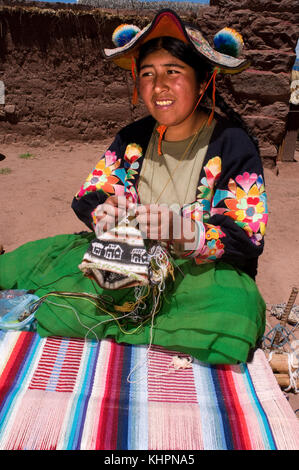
pixel 153 221
pixel 103 224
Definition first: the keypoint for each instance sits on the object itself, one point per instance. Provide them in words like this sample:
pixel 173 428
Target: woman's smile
pixel 164 103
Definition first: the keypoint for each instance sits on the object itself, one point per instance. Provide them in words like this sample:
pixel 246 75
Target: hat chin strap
pixel 134 74
pixel 162 128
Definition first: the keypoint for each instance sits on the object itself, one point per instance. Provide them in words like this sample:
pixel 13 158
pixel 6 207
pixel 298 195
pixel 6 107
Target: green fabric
pixel 212 311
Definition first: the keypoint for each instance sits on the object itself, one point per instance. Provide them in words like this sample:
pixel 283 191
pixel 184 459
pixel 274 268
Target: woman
pixel 192 182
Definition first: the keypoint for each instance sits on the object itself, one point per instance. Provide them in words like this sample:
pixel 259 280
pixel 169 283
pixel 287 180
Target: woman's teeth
pixel 164 102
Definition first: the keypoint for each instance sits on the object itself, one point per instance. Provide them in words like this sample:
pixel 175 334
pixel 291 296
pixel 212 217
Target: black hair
pixel 203 70
pixel 178 49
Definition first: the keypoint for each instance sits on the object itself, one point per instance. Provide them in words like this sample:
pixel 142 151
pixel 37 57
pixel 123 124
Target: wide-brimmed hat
pixel 228 43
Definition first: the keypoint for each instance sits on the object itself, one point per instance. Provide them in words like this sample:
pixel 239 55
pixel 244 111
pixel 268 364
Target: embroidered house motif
pixel 113 251
pixel 97 248
pixel 139 256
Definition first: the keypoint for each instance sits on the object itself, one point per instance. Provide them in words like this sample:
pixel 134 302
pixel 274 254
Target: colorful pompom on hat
pixel 124 33
pixel 228 43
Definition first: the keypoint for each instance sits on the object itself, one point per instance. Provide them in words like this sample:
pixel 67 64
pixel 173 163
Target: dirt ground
pixel 37 185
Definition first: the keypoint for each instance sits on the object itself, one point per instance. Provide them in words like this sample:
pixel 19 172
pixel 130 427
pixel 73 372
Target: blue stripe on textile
pixel 138 402
pixel 79 407
pixel 210 415
pixel 261 415
pixel 222 407
pixel 55 374
pixel 21 377
pixel 123 404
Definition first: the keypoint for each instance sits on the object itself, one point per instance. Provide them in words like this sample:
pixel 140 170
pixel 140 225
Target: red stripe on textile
pixel 16 358
pixel 58 366
pixel 108 421
pixel 165 384
pixel 234 409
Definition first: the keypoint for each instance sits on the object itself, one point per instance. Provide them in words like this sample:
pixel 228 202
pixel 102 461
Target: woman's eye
pixel 172 71
pixel 146 74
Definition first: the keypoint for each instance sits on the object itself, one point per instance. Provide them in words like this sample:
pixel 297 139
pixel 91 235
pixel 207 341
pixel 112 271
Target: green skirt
pixel 212 311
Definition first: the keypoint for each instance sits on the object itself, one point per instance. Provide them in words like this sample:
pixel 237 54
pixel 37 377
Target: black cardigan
pixel 230 200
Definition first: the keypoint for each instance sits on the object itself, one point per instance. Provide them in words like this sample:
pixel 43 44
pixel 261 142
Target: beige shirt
pixel 172 178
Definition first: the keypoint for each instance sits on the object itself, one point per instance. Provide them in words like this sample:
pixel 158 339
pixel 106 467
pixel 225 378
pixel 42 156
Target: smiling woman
pixel 170 92
pixel 178 207
pixel 170 85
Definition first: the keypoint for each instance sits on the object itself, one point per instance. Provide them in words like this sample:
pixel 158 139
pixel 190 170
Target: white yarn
pixel 292 374
pixel 270 356
pixel 140 363
pixel 181 362
pixel 177 363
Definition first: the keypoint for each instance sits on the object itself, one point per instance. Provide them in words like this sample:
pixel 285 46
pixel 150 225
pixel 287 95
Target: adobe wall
pixel 57 87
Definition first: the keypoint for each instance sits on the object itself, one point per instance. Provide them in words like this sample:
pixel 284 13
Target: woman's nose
pixel 160 83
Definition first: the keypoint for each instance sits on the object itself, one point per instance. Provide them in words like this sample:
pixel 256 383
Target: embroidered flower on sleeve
pixel 247 204
pixel 132 154
pixel 103 176
pixel 213 248
pixel 206 190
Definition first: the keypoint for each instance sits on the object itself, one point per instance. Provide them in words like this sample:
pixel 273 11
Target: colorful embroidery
pixel 109 178
pixel 193 210
pixel 132 154
pixel 206 190
pixel 213 248
pixel 247 204
pixel 103 176
pixel 245 201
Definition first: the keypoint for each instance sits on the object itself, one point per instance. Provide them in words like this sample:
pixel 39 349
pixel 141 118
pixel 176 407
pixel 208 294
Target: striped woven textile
pixel 62 393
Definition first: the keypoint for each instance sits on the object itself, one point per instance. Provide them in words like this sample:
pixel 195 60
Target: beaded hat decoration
pixel 228 43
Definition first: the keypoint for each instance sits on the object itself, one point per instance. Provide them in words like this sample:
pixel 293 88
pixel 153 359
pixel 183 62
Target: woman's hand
pixel 158 222
pixel 109 214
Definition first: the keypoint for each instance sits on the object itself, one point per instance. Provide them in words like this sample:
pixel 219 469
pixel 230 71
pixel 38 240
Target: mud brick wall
pixel 58 87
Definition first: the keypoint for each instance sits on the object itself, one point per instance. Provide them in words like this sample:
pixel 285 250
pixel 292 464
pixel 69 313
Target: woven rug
pixel 62 393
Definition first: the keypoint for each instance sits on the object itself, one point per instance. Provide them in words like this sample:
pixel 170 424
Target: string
pixel 114 318
pixel 216 70
pixel 81 323
pixel 162 128
pixel 181 159
pixel 159 259
pixel 212 78
pixel 135 90
pixel 53 282
pixel 155 310
pixel 161 131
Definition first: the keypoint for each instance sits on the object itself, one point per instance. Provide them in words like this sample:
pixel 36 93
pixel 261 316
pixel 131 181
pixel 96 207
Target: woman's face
pixel 169 90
